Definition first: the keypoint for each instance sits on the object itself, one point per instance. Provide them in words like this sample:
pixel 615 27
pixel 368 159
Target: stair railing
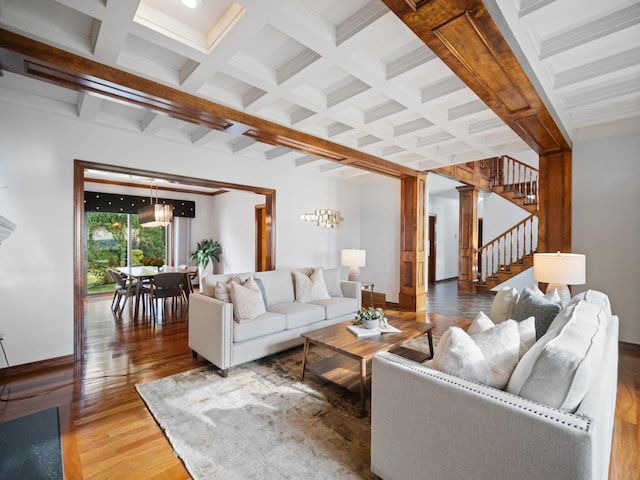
pixel 513 175
pixel 508 248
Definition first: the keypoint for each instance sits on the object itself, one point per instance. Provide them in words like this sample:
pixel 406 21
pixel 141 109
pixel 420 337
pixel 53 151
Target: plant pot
pixel 371 323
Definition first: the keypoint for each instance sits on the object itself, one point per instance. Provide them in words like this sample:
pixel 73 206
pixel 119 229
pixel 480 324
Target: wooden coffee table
pixel 338 339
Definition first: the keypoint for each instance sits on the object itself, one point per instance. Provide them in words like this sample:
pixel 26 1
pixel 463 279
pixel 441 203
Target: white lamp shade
pixel 562 268
pixel 354 258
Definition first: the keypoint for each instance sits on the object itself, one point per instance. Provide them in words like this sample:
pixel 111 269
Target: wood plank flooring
pixel 109 433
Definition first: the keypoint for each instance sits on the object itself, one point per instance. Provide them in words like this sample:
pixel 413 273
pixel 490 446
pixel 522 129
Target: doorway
pixel 80 169
pixel 432 249
pixel 261 238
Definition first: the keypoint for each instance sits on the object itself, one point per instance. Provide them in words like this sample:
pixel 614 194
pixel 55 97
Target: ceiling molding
pixel 25 56
pixel 463 35
pixel 589 31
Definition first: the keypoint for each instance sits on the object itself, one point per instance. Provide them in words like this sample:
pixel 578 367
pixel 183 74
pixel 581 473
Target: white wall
pixel 380 236
pixel 499 215
pixel 37 151
pixel 606 223
pixel 447 211
pixel 233 225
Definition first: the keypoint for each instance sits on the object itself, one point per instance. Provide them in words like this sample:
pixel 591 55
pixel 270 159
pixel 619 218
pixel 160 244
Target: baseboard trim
pixel 629 348
pixel 27 368
pixel 447 279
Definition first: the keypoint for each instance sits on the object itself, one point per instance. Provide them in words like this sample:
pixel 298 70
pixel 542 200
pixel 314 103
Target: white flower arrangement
pixel 366 315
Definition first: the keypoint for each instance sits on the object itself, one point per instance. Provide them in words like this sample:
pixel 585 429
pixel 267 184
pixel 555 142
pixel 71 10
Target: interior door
pixel 261 238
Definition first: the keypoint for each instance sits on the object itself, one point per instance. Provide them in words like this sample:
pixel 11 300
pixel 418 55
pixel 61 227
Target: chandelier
pixel 155 214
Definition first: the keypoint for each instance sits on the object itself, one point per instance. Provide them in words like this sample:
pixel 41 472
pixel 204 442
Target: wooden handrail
pixel 508 248
pixel 513 175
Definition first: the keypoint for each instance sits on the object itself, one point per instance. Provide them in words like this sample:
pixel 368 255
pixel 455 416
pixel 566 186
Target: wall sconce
pixel 323 218
pixel 559 270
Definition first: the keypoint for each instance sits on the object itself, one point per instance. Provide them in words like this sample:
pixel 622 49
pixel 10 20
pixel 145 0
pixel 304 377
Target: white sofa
pixel 215 335
pixel 430 424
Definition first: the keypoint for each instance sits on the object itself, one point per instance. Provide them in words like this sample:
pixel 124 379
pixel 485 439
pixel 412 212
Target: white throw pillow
pixel 480 324
pixel 594 297
pixel 487 357
pixel 457 354
pixel 247 301
pixel 558 370
pixel 503 305
pixel 500 346
pixel 222 291
pixel 310 289
pixel 527 330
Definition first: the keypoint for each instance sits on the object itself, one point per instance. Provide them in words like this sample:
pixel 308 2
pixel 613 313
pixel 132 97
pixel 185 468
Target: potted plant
pixel 371 318
pixel 206 251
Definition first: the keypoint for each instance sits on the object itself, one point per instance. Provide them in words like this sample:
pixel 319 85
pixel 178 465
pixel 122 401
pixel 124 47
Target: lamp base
pixel 354 274
pixel 563 292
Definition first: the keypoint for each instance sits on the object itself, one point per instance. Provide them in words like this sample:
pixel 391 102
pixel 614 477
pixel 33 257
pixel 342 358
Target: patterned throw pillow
pixel 532 304
pixel 310 289
pixel 247 301
pixel 222 290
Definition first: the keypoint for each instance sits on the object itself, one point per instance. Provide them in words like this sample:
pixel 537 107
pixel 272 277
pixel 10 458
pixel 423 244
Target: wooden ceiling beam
pixel 24 56
pixel 465 37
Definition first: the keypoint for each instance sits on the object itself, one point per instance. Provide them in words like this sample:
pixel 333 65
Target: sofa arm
pixel 211 329
pixel 352 290
pixel 425 421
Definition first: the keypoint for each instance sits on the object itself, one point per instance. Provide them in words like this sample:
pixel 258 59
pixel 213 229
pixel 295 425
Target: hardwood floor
pixel 109 433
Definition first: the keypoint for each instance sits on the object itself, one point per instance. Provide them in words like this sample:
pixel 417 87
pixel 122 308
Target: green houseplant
pixel 207 251
pixel 370 318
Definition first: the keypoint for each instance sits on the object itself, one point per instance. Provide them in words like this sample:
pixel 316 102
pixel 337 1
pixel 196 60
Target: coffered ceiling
pixel 346 71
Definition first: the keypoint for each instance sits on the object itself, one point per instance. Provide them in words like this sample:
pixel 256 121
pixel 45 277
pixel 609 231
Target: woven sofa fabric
pixel 264 324
pixel 497 435
pixel 228 343
pixel 299 314
pixel 338 306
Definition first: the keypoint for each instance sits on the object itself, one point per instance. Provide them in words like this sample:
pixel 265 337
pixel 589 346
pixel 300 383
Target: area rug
pixel 262 422
pixel 30 447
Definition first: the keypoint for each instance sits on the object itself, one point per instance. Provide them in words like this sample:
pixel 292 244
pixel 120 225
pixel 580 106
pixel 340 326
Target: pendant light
pixel 155 214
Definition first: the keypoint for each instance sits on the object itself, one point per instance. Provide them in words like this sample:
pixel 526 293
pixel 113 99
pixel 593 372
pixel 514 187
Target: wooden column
pixel 554 229
pixel 413 294
pixel 468 239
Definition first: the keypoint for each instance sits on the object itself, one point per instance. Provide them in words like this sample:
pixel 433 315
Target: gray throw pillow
pixel 261 287
pixel 532 304
pixel 332 280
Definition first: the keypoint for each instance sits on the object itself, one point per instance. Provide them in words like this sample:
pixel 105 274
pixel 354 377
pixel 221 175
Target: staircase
pixel 511 252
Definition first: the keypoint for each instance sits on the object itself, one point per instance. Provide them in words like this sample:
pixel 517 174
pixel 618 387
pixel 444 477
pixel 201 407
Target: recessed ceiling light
pixel 191 3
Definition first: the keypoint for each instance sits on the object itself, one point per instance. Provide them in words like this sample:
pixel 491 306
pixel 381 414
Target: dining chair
pixel 164 286
pixel 124 289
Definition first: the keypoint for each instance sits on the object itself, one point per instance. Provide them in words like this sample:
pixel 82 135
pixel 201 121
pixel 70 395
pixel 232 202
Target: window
pixel 116 240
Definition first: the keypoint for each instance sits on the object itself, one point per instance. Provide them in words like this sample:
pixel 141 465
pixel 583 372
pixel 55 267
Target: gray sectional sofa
pixel 225 342
pixel 554 420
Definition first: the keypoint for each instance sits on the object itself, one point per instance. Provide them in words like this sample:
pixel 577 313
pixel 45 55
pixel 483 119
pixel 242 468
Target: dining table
pixel 144 272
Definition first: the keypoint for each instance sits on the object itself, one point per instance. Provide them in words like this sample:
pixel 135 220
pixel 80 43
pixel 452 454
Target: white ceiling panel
pixel 348 71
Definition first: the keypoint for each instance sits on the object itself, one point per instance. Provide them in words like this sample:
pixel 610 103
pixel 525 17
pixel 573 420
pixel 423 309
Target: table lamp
pixel 559 270
pixel 353 259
